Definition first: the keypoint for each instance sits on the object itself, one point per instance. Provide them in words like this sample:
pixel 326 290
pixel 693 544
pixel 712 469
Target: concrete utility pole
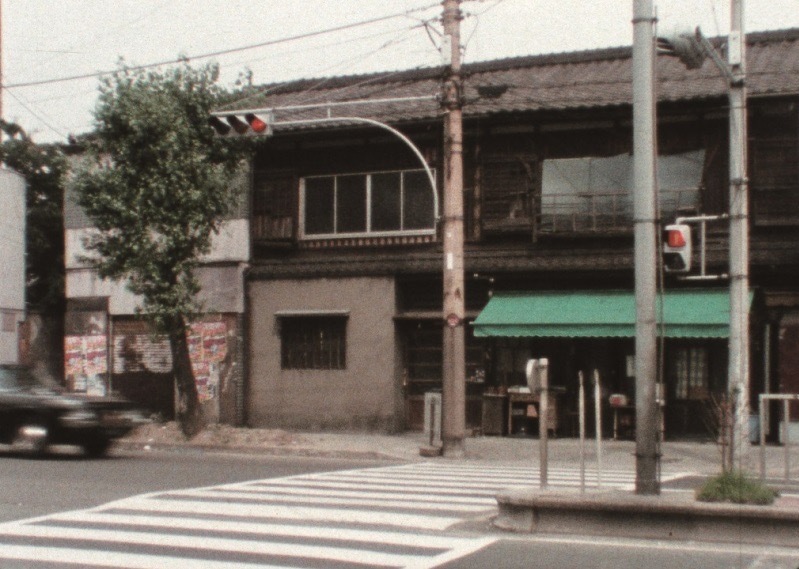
pixel 739 235
pixel 692 52
pixel 453 426
pixel 645 254
pixel 1 64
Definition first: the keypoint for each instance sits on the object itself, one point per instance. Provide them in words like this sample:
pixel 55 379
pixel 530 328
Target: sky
pixel 43 40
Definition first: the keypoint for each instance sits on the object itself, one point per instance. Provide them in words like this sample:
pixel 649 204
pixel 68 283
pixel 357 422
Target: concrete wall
pixel 230 244
pixel 221 289
pixel 12 263
pixel 364 396
pixel 42 344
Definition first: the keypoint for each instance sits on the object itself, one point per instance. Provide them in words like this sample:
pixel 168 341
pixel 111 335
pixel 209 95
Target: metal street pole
pixel 453 426
pixel 645 254
pixel 739 237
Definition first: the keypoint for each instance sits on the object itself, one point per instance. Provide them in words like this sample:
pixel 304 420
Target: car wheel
pixel 30 438
pixel 96 447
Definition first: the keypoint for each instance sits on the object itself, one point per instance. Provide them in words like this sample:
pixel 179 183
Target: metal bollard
pixel 598 413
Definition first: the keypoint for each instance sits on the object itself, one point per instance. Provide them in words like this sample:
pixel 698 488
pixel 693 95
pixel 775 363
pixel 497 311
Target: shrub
pixel 735 487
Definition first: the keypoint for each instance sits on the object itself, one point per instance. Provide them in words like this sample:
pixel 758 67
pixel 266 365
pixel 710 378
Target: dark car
pixel 34 415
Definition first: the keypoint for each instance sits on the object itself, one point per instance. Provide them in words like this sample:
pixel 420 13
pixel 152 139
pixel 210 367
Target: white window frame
pixel 368 233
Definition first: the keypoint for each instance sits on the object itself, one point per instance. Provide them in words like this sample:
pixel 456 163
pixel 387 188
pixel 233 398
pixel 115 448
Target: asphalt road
pixel 36 487
pixel 66 481
pixel 546 552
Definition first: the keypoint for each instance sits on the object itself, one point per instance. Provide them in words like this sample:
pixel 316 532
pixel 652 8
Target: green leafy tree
pixel 43 167
pixel 157 186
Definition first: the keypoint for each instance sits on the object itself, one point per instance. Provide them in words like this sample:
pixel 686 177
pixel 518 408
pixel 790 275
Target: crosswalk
pixel 393 516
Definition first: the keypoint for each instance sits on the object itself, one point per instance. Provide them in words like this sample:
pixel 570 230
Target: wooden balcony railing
pixel 606 212
pixel 271 228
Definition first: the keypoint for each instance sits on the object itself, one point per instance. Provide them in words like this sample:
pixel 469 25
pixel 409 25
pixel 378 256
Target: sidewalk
pixel 677 457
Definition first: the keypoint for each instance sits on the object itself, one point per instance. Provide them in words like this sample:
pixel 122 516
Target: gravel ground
pixel 214 435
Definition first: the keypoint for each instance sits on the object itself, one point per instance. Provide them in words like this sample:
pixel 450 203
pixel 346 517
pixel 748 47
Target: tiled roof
pixel 586 79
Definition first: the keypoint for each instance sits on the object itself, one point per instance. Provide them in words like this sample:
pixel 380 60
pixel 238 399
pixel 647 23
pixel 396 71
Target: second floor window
pixel 594 193
pixel 361 204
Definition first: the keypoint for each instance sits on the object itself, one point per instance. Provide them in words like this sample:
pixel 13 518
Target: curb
pixel 675 516
pixel 304 452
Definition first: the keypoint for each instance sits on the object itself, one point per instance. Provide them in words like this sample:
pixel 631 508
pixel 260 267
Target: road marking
pixel 393 516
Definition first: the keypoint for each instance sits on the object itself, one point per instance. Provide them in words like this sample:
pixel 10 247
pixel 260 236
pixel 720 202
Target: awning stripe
pixel 691 313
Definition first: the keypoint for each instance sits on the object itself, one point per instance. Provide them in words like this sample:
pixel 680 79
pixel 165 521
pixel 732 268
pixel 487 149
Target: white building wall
pixel 221 277
pixel 12 263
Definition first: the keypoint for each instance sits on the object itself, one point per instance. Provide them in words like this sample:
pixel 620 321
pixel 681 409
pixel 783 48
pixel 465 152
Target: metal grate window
pixel 313 342
pixel 273 206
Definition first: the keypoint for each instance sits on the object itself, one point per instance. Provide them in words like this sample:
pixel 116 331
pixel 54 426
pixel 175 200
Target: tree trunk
pixel 189 412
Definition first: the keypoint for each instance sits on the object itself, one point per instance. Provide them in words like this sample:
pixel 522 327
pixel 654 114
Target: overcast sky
pixel 47 39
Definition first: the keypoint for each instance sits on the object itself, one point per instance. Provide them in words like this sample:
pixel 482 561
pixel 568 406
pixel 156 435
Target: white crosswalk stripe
pixel 369 518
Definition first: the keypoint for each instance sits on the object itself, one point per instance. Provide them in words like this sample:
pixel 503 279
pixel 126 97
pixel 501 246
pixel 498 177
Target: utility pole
pixel 453 426
pixel 739 236
pixel 645 254
pixel 1 65
pixel 692 51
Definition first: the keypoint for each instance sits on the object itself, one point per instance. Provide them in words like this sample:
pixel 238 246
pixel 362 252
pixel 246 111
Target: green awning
pixel 602 314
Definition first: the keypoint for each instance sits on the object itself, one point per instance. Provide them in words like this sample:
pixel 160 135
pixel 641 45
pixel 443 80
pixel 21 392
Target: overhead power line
pixel 225 51
pixel 44 121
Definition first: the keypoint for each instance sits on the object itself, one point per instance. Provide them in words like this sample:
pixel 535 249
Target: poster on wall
pixel 86 363
pixel 207 349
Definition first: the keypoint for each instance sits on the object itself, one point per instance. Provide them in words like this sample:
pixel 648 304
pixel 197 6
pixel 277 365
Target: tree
pixel 156 187
pixel 43 167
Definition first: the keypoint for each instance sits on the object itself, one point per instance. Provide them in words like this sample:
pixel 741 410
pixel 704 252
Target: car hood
pixel 70 400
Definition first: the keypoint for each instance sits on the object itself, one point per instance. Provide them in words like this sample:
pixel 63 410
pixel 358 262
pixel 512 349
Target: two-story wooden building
pixel 326 286
pixel 344 292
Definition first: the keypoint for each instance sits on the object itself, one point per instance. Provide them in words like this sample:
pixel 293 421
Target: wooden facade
pixel 523 233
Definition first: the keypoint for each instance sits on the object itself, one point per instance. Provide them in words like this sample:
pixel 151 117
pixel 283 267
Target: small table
pixel 516 399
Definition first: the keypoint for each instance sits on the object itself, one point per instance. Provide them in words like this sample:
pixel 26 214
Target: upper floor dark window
pixel 774 179
pixel 378 203
pixel 595 193
pixel 273 206
pixel 508 186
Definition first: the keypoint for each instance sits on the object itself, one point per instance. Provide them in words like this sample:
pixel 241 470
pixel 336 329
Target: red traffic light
pixel 256 124
pixel 677 248
pixel 675 238
pixel 242 125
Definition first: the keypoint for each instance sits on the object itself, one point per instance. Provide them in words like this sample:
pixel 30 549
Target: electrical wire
pixel 44 121
pixel 287 39
pixel 298 96
pixel 360 57
pixel 93 39
pixel 476 16
pixel 295 52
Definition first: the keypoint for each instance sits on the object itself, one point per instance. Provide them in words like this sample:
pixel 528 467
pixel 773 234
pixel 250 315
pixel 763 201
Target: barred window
pixel 313 342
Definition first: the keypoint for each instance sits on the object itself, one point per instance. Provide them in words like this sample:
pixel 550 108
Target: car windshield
pixel 18 378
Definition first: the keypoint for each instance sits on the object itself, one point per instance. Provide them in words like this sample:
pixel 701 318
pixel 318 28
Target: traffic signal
pixel 677 248
pixel 247 124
